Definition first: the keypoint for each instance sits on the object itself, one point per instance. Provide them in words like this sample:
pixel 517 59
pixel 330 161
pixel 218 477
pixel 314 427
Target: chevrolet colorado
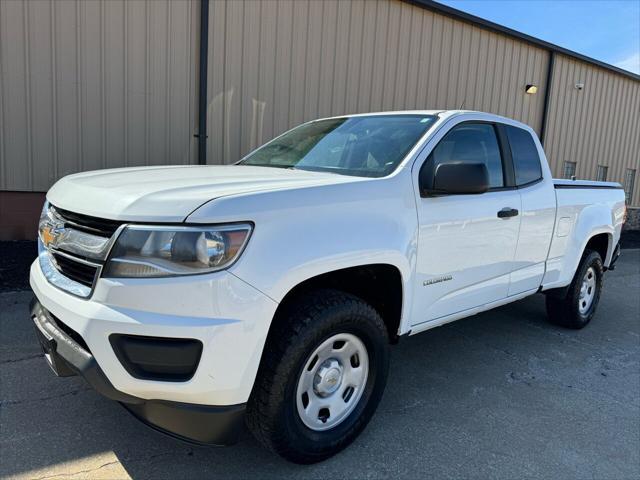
pixel 270 290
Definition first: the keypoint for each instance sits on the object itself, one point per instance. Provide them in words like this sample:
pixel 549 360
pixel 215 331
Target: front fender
pixel 305 232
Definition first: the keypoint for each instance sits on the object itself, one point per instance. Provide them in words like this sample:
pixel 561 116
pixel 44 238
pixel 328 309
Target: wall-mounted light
pixel 579 86
pixel 531 89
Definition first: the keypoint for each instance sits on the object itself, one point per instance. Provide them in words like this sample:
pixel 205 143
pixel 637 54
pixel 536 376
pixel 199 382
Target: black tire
pixel 272 414
pixel 563 306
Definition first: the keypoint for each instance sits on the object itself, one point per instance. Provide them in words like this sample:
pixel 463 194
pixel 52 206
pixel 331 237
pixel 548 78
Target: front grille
pixel 77 271
pixel 97 226
pixel 76 247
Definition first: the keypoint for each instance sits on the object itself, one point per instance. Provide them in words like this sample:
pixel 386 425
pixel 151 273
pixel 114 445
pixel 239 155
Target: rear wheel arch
pixel 564 305
pixel 601 243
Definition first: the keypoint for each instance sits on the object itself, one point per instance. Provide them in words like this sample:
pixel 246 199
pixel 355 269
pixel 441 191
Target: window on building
pixel 629 182
pixel 569 170
pixel 601 174
pixel 471 143
pixel 526 161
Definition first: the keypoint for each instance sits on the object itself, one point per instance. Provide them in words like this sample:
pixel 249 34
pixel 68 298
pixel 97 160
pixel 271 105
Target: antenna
pixel 462 104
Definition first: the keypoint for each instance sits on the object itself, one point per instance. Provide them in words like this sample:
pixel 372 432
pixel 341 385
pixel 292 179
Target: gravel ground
pixel 15 259
pixel 630 239
pixel 499 395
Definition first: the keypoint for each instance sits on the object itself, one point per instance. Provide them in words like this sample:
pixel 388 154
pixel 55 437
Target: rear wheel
pixel 321 378
pixel 576 306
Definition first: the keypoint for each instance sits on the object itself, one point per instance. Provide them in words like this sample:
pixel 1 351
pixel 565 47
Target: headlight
pixel 158 251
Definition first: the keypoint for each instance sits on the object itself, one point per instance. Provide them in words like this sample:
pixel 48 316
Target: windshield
pixel 370 146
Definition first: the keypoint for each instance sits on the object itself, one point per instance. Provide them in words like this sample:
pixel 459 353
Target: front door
pixel 466 243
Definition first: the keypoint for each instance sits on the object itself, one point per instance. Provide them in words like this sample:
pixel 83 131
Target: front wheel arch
pixel 380 285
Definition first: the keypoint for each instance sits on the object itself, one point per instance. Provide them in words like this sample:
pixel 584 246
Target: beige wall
pixel 94 84
pixel 599 125
pixel 276 63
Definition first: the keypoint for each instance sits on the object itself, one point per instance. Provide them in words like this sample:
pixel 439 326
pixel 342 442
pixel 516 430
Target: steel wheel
pixel 332 381
pixel 587 290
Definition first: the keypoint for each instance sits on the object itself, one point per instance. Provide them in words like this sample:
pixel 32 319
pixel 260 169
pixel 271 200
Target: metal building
pixel 87 84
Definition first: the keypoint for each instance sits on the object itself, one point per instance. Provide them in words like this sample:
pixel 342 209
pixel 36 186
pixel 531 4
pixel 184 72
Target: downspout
pixel 547 96
pixel 202 94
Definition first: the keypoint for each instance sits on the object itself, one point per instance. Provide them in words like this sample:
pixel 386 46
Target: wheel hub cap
pixel 332 381
pixel 328 377
pixel 587 291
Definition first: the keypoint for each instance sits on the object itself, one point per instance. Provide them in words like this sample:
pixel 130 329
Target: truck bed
pixel 563 183
pixel 583 208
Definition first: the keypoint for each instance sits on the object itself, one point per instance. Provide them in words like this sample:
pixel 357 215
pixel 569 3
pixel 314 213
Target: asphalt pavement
pixel 498 395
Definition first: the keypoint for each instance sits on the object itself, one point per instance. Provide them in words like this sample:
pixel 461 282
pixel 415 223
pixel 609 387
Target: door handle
pixel 508 212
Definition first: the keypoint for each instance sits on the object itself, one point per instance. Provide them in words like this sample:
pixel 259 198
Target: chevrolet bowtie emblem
pixel 47 236
pixel 50 232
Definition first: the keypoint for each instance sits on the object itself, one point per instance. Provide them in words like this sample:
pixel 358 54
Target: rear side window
pixel 526 161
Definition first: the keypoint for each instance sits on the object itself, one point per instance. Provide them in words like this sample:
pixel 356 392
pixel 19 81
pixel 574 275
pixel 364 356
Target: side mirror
pixel 456 179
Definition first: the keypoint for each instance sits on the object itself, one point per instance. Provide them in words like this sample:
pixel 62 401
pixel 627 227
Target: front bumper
pixel 226 315
pixel 205 424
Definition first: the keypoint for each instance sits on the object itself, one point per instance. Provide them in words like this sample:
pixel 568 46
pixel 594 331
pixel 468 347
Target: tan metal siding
pixel 94 84
pixel 599 125
pixel 276 63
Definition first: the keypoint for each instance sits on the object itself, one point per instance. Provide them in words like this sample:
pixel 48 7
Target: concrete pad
pixel 499 395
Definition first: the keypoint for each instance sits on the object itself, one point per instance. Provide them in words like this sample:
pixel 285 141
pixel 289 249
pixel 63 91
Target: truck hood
pixel 171 193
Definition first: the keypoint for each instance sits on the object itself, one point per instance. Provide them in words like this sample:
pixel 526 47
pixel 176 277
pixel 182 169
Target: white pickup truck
pixel 270 290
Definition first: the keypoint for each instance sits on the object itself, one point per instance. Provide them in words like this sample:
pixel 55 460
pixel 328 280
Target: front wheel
pixel 321 378
pixel 576 308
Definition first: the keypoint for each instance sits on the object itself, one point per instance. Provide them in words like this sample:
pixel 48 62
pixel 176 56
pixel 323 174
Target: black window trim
pixel 529 184
pixel 508 170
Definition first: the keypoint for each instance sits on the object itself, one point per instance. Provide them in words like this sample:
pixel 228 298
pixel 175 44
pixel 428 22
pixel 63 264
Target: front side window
pixel 369 146
pixel 526 161
pixel 470 143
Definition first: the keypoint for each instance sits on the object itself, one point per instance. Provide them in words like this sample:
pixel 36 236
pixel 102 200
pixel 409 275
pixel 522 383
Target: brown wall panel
pixel 599 125
pixel 88 84
pixel 109 83
pixel 274 64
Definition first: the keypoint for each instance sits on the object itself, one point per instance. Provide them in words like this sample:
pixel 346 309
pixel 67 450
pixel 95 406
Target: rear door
pixel 465 247
pixel 538 200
